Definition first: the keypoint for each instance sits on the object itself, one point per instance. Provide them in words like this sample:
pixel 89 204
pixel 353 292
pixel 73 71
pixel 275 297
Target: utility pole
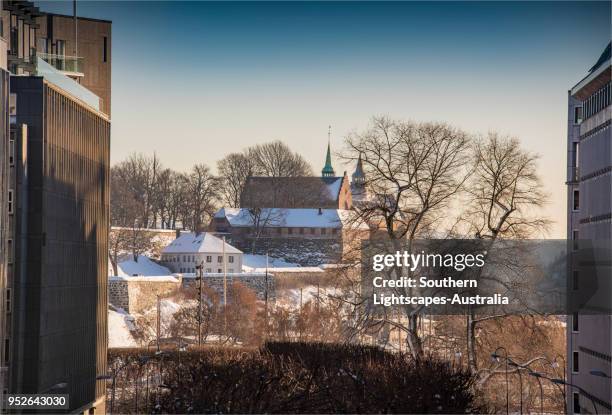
pixel 224 289
pixel 158 320
pixel 76 31
pixel 266 294
pixel 200 275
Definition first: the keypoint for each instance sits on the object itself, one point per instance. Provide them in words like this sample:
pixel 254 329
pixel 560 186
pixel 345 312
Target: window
pixel 575 323
pixel 575 362
pixel 577 115
pixel 104 49
pixel 576 202
pixel 576 403
pixel 9 244
pixel 208 258
pixel 11 150
pixel 8 300
pixel 230 259
pixel 60 47
pixel 323 230
pixel 220 259
pixel 208 270
pixel 10 202
pixel 312 231
pixel 290 231
pixel 7 347
pixel 302 231
pixel 42 45
pixel 219 270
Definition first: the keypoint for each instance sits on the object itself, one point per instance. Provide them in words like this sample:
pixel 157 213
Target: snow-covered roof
pixel 159 278
pixel 143 267
pixel 293 218
pixel 202 242
pixel 333 185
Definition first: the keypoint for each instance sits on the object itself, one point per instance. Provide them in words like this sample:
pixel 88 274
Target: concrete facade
pixel 589 336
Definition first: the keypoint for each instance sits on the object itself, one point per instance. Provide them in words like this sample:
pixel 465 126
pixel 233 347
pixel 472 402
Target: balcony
pixel 71 66
pixel 66 83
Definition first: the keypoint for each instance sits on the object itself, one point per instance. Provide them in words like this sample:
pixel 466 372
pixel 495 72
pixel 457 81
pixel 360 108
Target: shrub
pixel 300 378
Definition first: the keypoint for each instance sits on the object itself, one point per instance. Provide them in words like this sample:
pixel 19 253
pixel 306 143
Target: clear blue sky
pixel 196 80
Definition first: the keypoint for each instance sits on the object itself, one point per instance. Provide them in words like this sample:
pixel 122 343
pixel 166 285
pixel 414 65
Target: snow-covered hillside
pixel 143 267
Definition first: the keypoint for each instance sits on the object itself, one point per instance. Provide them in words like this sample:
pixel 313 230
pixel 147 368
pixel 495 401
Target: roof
pixel 315 189
pixel 293 218
pixel 598 75
pixel 328 170
pixel 203 242
pixel 603 58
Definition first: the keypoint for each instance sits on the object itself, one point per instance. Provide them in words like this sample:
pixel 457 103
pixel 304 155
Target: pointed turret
pixel 359 175
pixel 328 170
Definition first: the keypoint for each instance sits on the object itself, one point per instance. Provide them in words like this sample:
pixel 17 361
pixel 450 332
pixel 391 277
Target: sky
pixel 193 81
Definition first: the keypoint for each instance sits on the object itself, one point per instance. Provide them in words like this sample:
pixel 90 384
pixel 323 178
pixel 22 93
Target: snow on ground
pixel 143 267
pixel 120 327
pixel 252 262
pixel 290 298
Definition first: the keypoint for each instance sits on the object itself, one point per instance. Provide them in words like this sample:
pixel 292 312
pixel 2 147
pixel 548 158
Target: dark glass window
pixel 575 362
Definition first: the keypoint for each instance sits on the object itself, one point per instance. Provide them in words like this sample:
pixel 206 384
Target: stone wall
pixel 302 250
pixel 137 294
pixel 253 281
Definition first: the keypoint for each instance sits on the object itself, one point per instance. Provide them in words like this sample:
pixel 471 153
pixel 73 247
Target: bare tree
pixel 275 159
pixel 132 189
pixel 505 194
pixel 202 193
pixel 133 240
pixel 234 169
pixel 414 172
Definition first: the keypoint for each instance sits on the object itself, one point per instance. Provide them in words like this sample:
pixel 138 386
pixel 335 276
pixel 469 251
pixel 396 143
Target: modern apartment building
pixel 5 305
pixel 54 219
pixel 91 54
pixel 589 172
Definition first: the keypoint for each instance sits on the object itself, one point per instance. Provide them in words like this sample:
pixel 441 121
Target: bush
pixel 300 378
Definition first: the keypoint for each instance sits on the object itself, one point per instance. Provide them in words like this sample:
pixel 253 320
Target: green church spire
pixel 328 170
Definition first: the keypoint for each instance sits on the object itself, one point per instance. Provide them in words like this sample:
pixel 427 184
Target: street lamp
pixel 495 358
pixel 538 376
pixel 518 371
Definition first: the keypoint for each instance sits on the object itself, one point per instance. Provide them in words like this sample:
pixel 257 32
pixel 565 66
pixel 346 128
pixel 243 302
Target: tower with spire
pixel 328 170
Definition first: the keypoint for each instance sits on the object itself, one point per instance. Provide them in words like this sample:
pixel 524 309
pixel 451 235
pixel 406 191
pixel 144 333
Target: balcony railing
pixel 68 64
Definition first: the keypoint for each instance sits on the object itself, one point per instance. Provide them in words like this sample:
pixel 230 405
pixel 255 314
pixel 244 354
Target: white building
pixel 189 250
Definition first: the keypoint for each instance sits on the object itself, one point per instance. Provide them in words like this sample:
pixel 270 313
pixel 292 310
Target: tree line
pixel 146 194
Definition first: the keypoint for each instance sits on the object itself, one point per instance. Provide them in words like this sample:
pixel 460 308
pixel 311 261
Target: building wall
pixel 254 281
pixel 5 293
pixel 589 174
pixel 186 262
pixel 94 46
pixel 60 331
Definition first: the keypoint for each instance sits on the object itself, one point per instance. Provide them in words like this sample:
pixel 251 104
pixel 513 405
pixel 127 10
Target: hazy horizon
pixel 193 81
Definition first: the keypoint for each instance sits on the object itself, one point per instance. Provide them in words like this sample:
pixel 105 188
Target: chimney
pixel 320 211
pixel 178 233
